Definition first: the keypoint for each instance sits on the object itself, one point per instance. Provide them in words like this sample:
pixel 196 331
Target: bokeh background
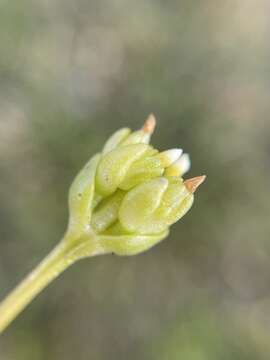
pixel 71 73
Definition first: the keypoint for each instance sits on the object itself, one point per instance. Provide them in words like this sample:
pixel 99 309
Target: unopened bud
pixel 153 206
pixel 114 165
pixel 139 205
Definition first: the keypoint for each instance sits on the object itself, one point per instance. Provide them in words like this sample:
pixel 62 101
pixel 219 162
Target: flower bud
pixel 153 206
pixel 120 168
pixel 140 204
pixel 114 165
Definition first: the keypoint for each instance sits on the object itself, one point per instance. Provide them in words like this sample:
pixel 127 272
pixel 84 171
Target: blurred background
pixel 71 73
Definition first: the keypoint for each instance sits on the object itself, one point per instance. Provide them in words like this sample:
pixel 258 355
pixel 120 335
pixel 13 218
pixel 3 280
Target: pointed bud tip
pixel 193 183
pixel 149 125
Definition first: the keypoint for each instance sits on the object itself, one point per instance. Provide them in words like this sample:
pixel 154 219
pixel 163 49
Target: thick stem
pixel 61 257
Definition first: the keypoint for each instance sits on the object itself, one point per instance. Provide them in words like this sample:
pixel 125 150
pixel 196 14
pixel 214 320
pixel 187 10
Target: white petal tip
pixel 170 156
pixel 184 163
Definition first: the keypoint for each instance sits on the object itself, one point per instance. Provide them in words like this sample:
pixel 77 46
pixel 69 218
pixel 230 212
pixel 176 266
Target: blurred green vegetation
pixel 72 72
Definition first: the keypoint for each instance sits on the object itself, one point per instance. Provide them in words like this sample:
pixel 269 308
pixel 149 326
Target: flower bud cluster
pixel 130 194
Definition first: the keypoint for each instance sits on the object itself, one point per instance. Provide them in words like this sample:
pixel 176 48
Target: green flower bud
pixel 120 166
pixel 153 206
pixel 128 197
pixel 114 165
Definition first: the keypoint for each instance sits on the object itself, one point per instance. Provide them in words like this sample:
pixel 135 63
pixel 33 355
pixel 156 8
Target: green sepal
pixel 176 202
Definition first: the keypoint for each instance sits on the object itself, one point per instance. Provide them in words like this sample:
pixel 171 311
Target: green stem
pixel 61 257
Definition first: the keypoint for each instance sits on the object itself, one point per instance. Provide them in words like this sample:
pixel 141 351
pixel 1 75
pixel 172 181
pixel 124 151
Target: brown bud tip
pixel 149 125
pixel 194 183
